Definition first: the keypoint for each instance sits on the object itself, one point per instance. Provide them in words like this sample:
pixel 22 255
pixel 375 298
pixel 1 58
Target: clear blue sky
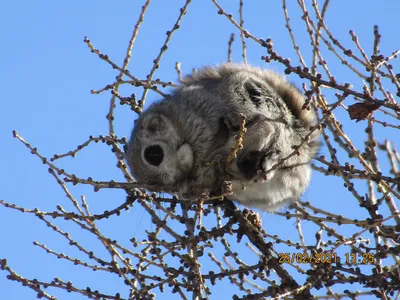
pixel 46 76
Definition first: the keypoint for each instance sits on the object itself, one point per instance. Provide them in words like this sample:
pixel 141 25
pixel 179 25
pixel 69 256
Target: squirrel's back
pixel 237 75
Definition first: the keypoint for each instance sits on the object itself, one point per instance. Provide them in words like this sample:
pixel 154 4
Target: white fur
pixel 270 194
pixel 185 158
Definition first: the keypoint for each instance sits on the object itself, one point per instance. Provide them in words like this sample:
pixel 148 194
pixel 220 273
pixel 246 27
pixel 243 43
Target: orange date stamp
pixel 325 258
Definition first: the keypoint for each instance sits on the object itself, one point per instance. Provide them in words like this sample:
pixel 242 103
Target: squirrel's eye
pixel 154 155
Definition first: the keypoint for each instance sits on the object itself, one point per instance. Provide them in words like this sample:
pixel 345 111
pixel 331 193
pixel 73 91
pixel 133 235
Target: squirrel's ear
pixel 254 90
pixel 152 122
pixel 155 123
pixel 151 125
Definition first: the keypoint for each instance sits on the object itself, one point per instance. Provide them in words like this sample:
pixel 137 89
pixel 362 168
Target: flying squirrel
pixel 186 140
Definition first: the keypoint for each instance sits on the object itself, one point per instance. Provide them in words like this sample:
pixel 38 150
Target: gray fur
pixel 198 123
